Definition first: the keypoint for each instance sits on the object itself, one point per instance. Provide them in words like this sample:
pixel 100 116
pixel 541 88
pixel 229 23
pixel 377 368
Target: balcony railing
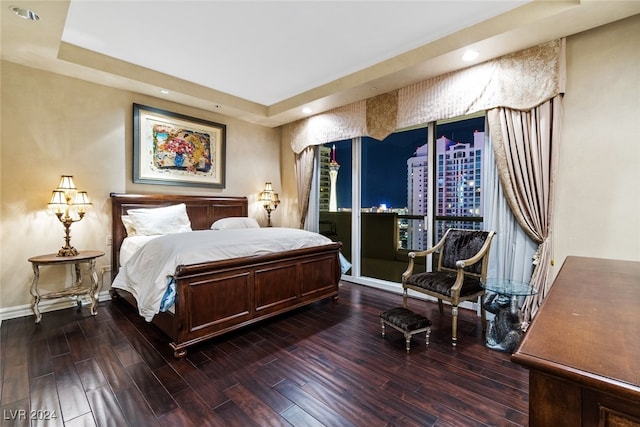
pixel 387 238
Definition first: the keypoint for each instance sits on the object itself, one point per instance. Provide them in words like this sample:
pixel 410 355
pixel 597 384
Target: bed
pixel 216 297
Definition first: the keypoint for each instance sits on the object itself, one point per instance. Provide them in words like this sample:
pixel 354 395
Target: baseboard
pixel 44 306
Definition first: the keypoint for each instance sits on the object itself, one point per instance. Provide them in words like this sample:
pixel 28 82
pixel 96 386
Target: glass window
pixel 458 169
pixel 385 219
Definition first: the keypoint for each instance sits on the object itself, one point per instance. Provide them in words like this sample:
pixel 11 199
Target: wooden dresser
pixel 583 347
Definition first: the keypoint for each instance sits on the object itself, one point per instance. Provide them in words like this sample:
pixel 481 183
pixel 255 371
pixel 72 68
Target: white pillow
pixel 128 225
pixel 235 222
pixel 164 220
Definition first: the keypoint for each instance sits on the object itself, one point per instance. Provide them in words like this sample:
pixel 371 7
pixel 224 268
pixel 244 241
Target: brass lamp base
pixel 268 216
pixel 67 251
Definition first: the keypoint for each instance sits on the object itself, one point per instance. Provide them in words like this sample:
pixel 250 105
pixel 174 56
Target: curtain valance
pixel 520 81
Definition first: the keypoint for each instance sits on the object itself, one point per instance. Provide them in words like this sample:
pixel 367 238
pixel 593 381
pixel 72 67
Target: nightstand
pixel 78 289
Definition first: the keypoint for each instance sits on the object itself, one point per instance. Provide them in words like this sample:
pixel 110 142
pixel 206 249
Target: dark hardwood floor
pixel 322 365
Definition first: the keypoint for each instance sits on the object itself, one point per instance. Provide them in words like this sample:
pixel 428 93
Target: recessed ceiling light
pixel 24 13
pixel 306 110
pixel 164 91
pixel 470 55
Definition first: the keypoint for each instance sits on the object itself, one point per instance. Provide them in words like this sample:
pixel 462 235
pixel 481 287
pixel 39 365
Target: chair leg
pixel 407 338
pixel 440 307
pixel 483 316
pixel 404 297
pixel 454 325
pixel 382 326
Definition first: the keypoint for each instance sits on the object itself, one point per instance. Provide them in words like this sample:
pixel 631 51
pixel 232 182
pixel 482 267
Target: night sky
pixel 384 179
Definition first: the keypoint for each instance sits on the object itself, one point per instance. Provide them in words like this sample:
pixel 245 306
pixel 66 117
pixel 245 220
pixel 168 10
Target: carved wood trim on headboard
pixel 202 211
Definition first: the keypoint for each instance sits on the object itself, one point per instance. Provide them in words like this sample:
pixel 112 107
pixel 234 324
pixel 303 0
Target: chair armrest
pixel 409 271
pixel 427 251
pixel 461 264
pixel 412 255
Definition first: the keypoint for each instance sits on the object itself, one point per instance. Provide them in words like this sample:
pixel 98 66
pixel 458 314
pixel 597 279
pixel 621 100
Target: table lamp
pixel 69 205
pixel 269 201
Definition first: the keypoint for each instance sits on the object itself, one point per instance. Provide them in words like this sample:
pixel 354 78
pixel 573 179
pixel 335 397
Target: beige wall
pixel 598 186
pixel 53 125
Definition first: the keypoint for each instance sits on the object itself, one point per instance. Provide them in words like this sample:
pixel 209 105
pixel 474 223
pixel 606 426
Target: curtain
pixel 512 249
pixel 304 178
pixel 341 123
pixel 525 145
pixel 312 222
pixel 520 80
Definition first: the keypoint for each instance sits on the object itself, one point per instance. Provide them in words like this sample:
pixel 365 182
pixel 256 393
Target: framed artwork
pixel 174 149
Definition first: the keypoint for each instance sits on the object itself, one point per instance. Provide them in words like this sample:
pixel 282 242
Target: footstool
pixel 407 322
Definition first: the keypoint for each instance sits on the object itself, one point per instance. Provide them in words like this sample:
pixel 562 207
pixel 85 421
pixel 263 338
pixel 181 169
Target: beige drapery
pixel 304 172
pixel 520 80
pixel 525 144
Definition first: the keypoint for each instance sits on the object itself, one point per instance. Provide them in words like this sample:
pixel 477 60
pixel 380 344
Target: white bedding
pixel 130 246
pixel 145 273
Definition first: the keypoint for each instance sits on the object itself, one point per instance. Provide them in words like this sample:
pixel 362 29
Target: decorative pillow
pixel 128 225
pixel 164 220
pixel 235 222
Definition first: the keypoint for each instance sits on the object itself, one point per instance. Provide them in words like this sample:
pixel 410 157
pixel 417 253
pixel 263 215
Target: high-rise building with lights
pixel 458 176
pixel 328 179
pixel 459 170
pixel 414 233
pixel 324 181
pixel 333 178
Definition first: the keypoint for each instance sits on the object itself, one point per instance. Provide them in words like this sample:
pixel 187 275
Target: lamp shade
pixel 58 202
pixel 66 183
pixel 267 194
pixel 81 202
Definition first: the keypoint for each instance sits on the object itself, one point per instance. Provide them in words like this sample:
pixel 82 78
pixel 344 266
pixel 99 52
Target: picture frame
pixel 175 149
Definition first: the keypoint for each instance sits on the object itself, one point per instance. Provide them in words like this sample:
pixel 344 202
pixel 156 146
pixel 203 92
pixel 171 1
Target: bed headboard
pixel 202 211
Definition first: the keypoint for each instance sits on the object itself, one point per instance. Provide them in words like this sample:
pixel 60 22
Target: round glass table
pixel 502 299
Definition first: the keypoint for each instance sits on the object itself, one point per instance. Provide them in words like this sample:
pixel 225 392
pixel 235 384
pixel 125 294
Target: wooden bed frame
pixel 217 297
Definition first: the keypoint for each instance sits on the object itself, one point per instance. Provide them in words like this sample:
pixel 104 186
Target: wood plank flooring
pixel 323 365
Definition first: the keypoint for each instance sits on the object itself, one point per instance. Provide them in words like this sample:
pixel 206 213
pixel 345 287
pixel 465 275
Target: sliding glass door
pixel 393 202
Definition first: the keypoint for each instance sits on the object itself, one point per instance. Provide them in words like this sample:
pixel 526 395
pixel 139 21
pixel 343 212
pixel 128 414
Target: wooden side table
pixel 91 289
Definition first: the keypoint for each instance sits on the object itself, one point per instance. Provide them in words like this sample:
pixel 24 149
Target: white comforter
pixel 146 272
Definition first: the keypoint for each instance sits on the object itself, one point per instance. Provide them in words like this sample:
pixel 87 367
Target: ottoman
pixel 407 322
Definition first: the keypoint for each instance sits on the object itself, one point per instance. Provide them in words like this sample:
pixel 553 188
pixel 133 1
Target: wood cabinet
pixel 583 347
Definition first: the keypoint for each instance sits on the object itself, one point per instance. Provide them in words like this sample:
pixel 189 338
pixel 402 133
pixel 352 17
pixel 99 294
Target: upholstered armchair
pixel 462 263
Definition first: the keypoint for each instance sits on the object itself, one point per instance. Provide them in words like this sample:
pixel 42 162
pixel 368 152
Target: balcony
pixel 387 238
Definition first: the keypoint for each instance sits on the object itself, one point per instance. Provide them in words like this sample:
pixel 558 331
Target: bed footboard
pixel 215 298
